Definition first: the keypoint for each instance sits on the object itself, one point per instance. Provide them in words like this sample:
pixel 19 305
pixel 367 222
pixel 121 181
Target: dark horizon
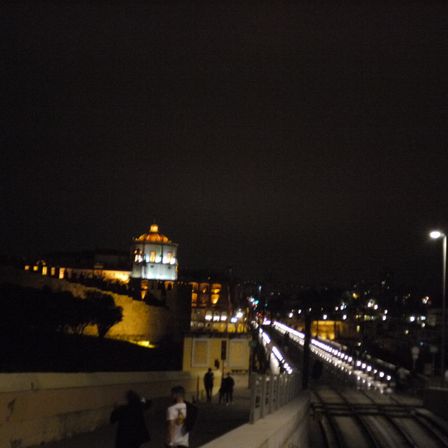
pixel 304 141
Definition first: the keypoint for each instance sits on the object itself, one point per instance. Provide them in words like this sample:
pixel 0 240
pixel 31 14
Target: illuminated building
pixel 201 302
pixel 212 310
pixel 154 256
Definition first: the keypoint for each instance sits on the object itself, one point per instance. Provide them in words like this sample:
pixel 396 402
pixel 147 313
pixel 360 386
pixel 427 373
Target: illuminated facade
pixel 154 256
pixel 151 275
pixel 212 310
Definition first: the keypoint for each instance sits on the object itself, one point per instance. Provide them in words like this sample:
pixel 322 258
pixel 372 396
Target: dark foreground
pixel 213 421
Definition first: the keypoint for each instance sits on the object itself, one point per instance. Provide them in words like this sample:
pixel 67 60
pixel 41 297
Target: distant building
pixel 154 256
pixel 201 300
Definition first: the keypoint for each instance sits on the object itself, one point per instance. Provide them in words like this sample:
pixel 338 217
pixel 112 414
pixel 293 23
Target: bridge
pixel 353 403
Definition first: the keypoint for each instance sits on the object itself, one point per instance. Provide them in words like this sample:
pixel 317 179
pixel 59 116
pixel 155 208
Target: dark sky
pixel 304 139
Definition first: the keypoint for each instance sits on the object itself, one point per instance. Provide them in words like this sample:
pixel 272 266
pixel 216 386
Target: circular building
pixel 154 256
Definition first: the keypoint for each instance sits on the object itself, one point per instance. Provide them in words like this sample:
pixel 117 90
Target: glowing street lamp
pixel 435 235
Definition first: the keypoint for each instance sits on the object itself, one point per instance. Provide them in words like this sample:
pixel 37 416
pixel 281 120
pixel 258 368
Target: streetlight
pixel 435 235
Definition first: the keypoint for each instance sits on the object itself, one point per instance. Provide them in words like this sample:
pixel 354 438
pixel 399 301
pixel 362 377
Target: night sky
pixel 302 140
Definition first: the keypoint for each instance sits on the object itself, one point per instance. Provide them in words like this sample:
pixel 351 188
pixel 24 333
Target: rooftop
pixel 153 236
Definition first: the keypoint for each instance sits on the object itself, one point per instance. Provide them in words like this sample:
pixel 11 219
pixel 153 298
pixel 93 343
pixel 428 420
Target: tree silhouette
pixel 103 311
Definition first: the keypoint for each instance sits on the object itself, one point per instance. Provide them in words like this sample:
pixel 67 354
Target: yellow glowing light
pixel 121 276
pixel 146 344
pixel 154 236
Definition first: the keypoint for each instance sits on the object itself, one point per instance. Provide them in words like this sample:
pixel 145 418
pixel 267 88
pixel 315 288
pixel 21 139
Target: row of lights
pixel 268 345
pixel 216 317
pixel 365 373
pixel 375 307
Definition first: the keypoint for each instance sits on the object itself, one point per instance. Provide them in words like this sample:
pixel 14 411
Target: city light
pixel 436 234
pixel 278 361
pixel 335 355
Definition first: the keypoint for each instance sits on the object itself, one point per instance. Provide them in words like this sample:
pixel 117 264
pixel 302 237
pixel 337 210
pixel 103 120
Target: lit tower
pixel 154 256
